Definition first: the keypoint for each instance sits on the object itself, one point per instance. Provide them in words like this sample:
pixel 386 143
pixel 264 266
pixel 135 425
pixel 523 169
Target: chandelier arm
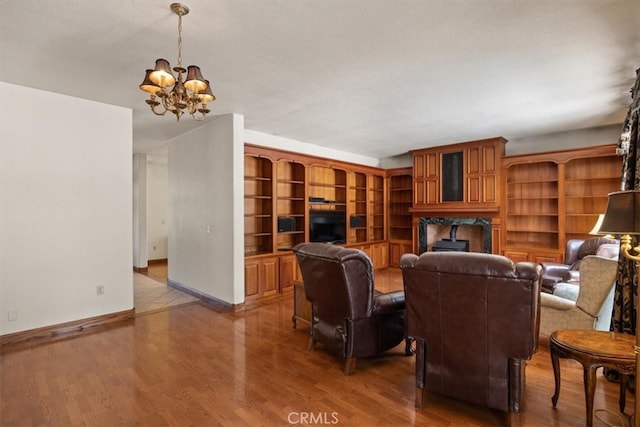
pixel 153 108
pixel 169 101
pixel 153 104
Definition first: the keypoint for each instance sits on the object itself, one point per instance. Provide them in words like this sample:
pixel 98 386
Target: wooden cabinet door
pixel 473 159
pixel 547 257
pixel 269 277
pixel 396 250
pixel 260 276
pixel 380 252
pixel 287 271
pixel 490 174
pixel 517 256
pixel 482 174
pixel 251 277
pixel 426 182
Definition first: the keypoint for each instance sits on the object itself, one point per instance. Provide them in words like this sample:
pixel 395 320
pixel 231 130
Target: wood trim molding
pixel 64 330
pixel 142 270
pixel 215 303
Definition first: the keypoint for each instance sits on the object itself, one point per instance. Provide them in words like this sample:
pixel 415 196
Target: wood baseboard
pixel 64 330
pixel 214 303
pixel 142 270
pixel 158 261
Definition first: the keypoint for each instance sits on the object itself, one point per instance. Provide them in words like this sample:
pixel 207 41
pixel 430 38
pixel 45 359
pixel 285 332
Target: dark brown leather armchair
pixel 349 317
pixel 569 271
pixel 475 318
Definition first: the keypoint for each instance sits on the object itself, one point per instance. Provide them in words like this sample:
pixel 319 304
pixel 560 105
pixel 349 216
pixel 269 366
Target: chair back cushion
pixel 571 250
pixel 339 284
pixel 589 247
pixel 597 275
pixel 475 312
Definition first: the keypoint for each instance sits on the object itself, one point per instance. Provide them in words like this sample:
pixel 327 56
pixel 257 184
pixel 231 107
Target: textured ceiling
pixel 376 78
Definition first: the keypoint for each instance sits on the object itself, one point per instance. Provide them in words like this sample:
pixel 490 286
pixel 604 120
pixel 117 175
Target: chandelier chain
pixel 179 40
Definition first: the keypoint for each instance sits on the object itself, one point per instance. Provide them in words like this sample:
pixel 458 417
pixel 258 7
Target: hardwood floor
pixel 192 366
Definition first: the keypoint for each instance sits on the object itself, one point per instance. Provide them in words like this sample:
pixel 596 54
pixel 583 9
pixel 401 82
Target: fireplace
pixel 477 231
pixel 452 244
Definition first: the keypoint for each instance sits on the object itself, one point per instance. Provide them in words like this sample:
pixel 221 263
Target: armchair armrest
pixel 554 269
pixel 556 302
pixel 389 302
pixel 572 276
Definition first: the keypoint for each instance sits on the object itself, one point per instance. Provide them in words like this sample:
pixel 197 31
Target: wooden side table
pixel 593 349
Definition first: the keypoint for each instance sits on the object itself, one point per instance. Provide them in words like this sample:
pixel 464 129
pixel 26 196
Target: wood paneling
pixel 481 177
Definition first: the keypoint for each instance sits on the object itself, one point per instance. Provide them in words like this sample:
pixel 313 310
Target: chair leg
pixel 408 347
pixel 349 365
pixel 419 397
pixel 312 344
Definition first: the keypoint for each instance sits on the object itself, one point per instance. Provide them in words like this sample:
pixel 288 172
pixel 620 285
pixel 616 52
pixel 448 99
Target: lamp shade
pixel 195 83
pixel 207 96
pixel 162 75
pixel 596 228
pixel 622 215
pixel 148 86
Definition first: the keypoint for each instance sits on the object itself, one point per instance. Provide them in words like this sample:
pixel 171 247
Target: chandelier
pixel 191 95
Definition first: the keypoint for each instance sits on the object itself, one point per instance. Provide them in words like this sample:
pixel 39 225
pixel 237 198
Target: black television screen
pixel 327 226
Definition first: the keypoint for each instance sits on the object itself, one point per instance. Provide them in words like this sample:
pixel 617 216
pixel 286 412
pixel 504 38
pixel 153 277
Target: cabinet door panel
pixel 251 278
pixel 517 256
pixel 420 192
pixel 473 189
pixel 489 159
pixel 547 257
pixel 490 189
pixel 473 160
pixel 395 252
pixel 287 272
pixel 269 276
pixel 433 193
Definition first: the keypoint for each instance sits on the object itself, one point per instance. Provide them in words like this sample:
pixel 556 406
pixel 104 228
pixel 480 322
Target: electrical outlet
pixel 100 290
pixel 12 315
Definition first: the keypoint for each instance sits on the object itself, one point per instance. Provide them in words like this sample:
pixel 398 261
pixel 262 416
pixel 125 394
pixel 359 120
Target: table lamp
pixel 622 217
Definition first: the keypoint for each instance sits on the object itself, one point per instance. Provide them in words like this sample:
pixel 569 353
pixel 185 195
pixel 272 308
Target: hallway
pixel 151 292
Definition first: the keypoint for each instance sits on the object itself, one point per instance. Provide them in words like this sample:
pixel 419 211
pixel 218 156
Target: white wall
pixel 157 199
pixel 140 254
pixel 206 237
pixel 65 208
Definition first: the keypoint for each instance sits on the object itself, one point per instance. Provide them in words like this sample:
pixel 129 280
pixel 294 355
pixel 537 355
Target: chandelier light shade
pixel 168 93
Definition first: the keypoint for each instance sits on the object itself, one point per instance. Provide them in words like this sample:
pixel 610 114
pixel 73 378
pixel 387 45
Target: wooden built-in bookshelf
pixel 357 207
pixel 258 206
pixel 283 189
pixel 555 196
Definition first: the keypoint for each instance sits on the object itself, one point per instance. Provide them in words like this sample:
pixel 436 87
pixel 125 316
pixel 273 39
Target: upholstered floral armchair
pixel 588 305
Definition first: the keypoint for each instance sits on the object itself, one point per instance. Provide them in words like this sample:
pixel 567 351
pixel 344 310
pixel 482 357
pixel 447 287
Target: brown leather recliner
pixel 475 318
pixel 349 317
pixel 575 251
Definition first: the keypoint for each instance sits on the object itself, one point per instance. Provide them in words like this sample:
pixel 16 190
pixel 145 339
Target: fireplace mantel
pixel 457 210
